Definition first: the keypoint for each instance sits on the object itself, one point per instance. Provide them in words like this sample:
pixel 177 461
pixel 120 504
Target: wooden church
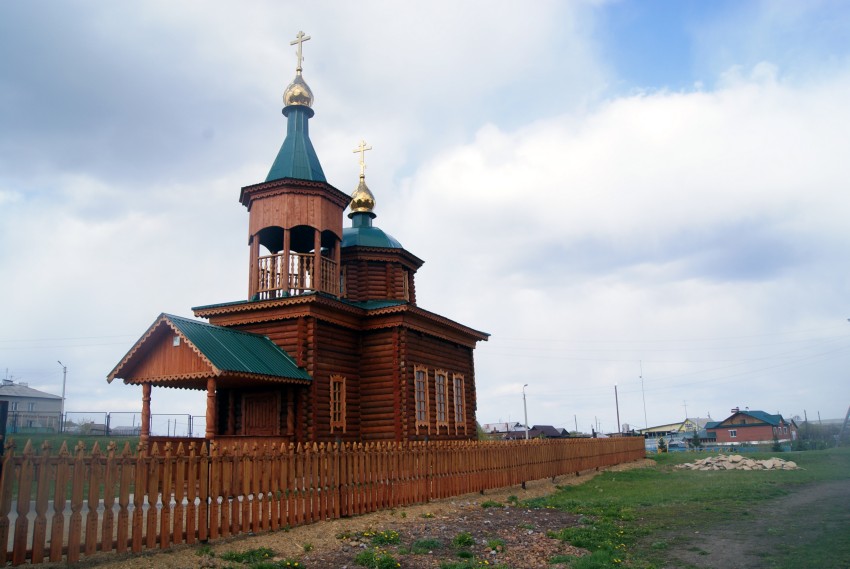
pixel 330 344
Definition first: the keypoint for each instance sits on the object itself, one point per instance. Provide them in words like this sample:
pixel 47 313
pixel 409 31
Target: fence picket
pixel 57 522
pixel 107 524
pixel 139 484
pixel 177 511
pixel 126 468
pixel 39 532
pixel 152 496
pixel 75 527
pixel 19 551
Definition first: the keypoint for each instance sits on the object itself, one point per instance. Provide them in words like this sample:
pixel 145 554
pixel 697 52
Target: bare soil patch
pixel 523 531
pixel 767 530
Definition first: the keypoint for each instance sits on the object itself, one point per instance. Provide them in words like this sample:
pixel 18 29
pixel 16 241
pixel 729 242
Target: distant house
pixel 539 432
pixel 752 427
pixel 501 428
pixel 689 425
pixel 30 410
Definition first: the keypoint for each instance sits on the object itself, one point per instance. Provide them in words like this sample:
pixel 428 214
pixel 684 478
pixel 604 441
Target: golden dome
pixel 362 200
pixel 298 93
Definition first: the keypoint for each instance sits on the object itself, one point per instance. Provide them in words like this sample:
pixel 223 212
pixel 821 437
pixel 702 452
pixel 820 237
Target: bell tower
pixel 295 216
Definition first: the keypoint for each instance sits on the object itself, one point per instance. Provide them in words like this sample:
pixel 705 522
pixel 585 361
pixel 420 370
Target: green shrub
pixel 496 544
pixel 463 539
pixel 386 537
pixel 376 558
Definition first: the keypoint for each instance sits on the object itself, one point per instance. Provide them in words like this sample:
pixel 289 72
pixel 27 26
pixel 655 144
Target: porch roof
pixel 218 352
pixel 238 352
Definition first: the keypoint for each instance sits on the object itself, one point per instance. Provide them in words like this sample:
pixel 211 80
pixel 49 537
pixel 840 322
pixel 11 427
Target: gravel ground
pixel 335 543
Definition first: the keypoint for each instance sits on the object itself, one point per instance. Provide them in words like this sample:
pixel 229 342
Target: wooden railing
pixel 274 281
pixel 69 504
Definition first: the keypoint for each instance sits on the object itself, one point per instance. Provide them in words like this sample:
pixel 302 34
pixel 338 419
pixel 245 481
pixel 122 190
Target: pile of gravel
pixel 738 462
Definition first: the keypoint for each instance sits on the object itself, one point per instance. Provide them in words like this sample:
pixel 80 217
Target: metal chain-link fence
pixel 126 423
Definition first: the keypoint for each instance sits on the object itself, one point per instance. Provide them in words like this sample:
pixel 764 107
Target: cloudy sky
pixel 647 194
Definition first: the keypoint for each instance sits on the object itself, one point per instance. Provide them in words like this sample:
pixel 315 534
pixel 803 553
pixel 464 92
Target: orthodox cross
pixel 362 150
pixel 299 39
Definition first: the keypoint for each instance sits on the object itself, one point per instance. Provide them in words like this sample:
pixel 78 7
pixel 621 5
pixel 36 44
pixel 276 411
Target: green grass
pixel 627 518
pixel 260 558
pixel 250 556
pixel 423 546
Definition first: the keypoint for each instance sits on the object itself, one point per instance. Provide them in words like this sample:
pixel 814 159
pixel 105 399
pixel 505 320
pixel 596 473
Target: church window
pixel 420 375
pixel 460 404
pixel 337 403
pixel 406 284
pixel 442 395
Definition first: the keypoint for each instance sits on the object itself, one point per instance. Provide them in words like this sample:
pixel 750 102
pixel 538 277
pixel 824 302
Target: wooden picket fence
pixel 67 504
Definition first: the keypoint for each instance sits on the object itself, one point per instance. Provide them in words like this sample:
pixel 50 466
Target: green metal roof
pixel 773 420
pixel 297 158
pixel 762 416
pixel 235 351
pixel 364 234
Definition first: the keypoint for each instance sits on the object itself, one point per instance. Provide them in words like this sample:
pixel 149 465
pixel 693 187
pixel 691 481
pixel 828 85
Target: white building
pixel 30 410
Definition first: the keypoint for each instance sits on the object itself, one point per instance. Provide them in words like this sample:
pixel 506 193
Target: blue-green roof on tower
pixel 297 158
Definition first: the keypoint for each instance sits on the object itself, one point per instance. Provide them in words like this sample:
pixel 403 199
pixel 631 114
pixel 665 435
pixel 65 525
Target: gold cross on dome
pixel 362 150
pixel 299 39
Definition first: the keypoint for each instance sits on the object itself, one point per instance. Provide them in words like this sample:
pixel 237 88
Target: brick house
pixel 752 427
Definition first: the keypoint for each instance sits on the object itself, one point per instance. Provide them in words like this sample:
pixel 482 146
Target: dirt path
pixel 768 530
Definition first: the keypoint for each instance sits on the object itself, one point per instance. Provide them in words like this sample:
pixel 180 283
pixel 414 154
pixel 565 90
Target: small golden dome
pixel 362 200
pixel 298 93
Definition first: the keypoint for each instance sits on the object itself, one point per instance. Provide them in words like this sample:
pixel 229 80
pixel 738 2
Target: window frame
pixel 337 402
pixel 442 399
pixel 459 392
pixel 421 399
pixel 733 433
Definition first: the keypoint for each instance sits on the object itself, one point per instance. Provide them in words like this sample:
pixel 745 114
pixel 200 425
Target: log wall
pixel 371 280
pixel 381 413
pixel 337 353
pixel 424 350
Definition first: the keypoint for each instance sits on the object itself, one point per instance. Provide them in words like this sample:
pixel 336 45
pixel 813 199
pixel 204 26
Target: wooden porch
pixel 288 274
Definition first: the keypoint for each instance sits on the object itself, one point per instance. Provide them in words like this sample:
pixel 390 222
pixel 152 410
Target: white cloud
pixel 586 232
pixel 661 216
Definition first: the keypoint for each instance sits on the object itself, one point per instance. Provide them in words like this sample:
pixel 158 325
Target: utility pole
pixel 62 408
pixel 525 410
pixel 643 394
pixel 617 403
